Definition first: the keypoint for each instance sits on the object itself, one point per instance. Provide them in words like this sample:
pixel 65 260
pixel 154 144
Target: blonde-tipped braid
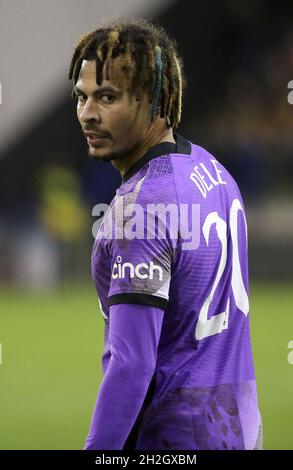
pixel 150 62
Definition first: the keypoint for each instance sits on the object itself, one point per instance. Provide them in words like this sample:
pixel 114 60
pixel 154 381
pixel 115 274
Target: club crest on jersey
pixel 141 270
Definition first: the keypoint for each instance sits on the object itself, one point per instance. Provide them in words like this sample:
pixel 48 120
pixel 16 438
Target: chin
pixel 98 156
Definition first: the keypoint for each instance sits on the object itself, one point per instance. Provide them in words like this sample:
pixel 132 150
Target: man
pixel 177 362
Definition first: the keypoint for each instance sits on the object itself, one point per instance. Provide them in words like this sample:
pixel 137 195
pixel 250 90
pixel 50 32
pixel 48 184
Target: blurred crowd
pixel 241 114
pixel 254 129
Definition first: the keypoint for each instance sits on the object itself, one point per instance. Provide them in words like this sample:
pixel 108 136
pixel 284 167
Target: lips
pixel 94 138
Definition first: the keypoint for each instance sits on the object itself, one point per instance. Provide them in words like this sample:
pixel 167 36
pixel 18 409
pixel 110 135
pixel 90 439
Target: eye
pixel 80 97
pixel 107 98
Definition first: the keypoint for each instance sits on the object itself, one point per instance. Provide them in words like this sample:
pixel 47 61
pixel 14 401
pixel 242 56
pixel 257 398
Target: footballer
pixel 177 363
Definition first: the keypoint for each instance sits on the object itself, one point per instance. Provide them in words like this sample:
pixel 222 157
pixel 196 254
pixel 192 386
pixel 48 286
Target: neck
pixel 135 153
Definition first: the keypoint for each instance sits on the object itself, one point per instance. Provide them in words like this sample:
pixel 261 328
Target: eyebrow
pixel 103 89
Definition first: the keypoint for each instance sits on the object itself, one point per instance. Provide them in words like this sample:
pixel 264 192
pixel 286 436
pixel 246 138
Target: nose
pixel 90 112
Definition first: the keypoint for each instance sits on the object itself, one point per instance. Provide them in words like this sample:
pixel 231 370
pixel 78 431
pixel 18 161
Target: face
pixel 113 120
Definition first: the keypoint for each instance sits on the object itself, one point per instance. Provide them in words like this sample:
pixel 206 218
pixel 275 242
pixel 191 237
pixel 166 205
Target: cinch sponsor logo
pixel 119 270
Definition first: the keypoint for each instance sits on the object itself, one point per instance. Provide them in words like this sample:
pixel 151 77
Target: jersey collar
pixel 164 148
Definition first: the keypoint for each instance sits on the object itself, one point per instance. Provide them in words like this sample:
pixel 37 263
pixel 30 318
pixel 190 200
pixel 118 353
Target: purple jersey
pixel 203 393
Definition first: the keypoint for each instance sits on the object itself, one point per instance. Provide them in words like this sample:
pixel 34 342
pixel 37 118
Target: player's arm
pixel 134 333
pixel 137 298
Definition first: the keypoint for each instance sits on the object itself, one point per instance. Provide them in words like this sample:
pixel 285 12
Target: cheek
pixel 78 114
pixel 137 118
pixel 128 121
pixel 124 120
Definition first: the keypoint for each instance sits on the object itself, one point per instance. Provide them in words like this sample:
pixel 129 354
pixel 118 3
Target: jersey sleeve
pixel 134 333
pixel 141 259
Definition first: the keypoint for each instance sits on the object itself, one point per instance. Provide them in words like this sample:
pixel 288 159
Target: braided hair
pixel 151 63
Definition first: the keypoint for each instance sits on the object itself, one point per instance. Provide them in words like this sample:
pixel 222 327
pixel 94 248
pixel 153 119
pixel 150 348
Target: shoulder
pixel 202 171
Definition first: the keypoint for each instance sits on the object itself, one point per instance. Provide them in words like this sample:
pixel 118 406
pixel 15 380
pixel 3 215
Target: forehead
pixel 117 75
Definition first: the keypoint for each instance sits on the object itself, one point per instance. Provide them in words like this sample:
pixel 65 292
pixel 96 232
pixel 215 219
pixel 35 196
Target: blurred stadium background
pixel 239 62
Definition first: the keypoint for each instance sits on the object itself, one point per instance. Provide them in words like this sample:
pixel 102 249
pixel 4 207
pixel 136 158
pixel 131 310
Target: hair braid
pixel 112 42
pixel 151 63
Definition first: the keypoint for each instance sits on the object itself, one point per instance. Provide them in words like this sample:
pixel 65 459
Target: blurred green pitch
pixel 51 365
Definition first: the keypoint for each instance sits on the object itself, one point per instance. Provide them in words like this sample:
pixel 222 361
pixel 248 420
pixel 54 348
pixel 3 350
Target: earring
pixel 168 122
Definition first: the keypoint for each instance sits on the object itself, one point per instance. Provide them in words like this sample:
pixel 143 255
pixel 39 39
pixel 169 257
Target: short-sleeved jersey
pixel 175 237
